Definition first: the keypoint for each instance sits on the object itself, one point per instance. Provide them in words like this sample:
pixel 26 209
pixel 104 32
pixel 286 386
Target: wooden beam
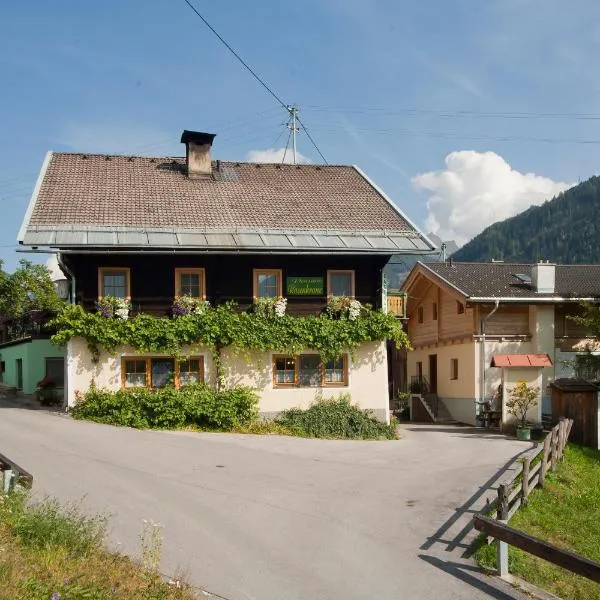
pixel 563 558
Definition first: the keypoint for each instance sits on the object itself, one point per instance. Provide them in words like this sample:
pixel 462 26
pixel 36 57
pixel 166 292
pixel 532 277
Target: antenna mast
pixel 293 127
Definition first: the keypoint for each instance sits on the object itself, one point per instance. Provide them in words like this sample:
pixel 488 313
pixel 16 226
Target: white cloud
pixel 477 189
pixel 275 155
pixel 55 271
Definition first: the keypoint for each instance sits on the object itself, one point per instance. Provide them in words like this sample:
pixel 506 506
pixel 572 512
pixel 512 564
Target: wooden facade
pixel 227 277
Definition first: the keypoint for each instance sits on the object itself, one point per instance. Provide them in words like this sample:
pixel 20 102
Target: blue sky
pixel 464 111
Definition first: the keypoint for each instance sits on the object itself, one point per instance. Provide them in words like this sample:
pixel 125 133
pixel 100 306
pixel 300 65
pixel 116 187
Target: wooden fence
pixel 12 474
pixel 513 493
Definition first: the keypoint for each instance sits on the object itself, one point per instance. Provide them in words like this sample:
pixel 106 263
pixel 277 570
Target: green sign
pixel 304 286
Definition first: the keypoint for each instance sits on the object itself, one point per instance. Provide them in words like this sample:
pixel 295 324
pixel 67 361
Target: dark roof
pixel 103 200
pixel 498 280
pixel 574 385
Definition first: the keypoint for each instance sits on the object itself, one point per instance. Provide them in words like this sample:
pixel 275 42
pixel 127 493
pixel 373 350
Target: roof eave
pixel 433 247
pixel 34 197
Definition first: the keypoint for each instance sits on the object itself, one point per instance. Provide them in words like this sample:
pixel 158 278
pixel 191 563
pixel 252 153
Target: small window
pixel 190 282
pixel 113 282
pixel 454 368
pixel 420 314
pixel 267 283
pixel 191 371
pixel 307 370
pixel 460 308
pixel 310 370
pixel 285 371
pixel 158 372
pixel 335 371
pixel 163 372
pixel 134 373
pixel 434 311
pixel 340 283
pixel 55 371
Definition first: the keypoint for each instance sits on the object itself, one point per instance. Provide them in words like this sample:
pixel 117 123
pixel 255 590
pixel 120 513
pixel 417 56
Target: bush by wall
pixel 336 418
pixel 168 408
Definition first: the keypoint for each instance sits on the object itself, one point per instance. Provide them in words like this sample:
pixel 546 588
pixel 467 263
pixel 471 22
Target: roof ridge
pixel 221 160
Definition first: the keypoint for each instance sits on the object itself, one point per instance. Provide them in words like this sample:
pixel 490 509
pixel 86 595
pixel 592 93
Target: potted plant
pixel 186 305
pixel 521 398
pixel 343 307
pixel 270 307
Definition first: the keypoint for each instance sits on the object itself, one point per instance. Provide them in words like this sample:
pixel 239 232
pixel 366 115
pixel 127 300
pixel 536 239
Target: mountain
pixel 564 230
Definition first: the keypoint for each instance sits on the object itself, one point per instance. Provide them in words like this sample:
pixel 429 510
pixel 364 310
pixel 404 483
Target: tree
pixel 522 398
pixel 29 288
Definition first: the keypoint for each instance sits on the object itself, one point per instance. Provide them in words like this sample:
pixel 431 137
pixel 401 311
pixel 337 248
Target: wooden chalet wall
pixel 228 277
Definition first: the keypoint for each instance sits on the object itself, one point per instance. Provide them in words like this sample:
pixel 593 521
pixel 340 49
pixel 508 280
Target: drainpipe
pixel 69 273
pixel 482 351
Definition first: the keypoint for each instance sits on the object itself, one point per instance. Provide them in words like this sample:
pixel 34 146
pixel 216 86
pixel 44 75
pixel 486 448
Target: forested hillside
pixel 565 230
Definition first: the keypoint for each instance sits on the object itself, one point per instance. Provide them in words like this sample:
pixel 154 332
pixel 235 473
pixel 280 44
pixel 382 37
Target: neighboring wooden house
pixel 148 229
pixel 477 326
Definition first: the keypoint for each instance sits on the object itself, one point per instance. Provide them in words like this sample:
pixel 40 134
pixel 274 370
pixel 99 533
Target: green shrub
pixel 48 525
pixel 336 418
pixel 169 408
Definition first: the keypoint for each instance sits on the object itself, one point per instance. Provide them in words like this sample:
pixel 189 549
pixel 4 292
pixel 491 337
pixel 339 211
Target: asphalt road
pixel 273 518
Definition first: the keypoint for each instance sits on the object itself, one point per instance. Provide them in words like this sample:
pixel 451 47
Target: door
pixel 433 373
pixel 19 373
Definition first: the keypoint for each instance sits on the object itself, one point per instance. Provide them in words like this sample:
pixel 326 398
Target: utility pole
pixel 293 127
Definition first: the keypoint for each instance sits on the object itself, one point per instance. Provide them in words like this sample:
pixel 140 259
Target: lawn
pixel 566 512
pixel 50 552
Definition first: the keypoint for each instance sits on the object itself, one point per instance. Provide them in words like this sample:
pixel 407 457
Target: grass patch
pixel 566 512
pixel 57 553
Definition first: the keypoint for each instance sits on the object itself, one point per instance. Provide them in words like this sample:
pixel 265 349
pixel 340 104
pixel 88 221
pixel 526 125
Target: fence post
pixel 562 430
pixel 8 477
pixel 525 482
pixel 502 552
pixel 554 447
pixel 545 455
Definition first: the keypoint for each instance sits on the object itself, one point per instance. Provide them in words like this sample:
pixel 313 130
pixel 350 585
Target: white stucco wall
pixel 367 374
pixel 367 380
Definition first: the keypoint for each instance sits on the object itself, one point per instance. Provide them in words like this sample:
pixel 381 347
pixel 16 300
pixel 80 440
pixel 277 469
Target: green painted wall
pixel 33 353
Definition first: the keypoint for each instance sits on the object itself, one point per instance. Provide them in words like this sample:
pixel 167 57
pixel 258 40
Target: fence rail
pixel 12 474
pixel 514 493
pixel 563 558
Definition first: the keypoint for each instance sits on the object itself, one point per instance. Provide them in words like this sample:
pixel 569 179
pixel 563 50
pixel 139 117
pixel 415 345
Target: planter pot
pixel 523 433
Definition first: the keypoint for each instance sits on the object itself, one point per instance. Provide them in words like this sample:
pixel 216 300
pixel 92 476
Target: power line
pixel 292 110
pixel 286 146
pixel 240 59
pixel 451 135
pixel 456 113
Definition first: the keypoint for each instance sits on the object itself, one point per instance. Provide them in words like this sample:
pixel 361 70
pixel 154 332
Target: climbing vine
pixel 224 326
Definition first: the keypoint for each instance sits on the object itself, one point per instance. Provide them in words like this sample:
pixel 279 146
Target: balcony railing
pixel 33 324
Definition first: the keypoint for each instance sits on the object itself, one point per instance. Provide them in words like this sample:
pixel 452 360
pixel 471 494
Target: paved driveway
pixel 272 518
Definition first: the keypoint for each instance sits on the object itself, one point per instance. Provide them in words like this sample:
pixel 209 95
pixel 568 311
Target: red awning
pixel 521 360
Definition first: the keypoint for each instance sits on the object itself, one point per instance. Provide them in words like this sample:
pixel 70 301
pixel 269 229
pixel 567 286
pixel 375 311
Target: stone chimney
pixel 197 153
pixel 543 276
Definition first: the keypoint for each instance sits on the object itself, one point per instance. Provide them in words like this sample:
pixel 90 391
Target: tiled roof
pixel 497 280
pixel 521 360
pixel 106 194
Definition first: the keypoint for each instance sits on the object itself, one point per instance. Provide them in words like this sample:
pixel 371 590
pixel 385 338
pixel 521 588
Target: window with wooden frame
pixel 454 368
pixel 159 371
pixel 340 283
pixel 114 281
pixel 190 282
pixel 420 314
pixel 267 283
pixel 307 370
pixel 434 311
pixel 460 308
